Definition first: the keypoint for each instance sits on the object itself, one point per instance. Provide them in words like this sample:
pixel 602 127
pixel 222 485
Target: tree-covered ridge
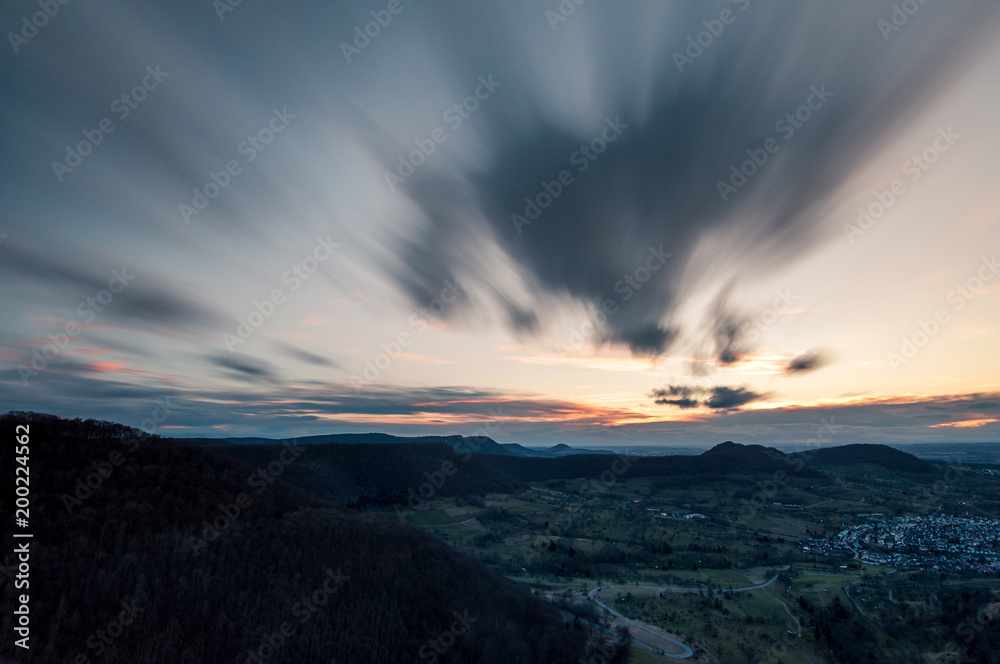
pixel 212 569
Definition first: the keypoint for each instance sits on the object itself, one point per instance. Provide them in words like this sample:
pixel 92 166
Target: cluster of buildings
pixel 676 514
pixel 823 547
pixel 944 543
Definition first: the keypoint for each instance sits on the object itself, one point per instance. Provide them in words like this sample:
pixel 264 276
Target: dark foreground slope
pixel 343 587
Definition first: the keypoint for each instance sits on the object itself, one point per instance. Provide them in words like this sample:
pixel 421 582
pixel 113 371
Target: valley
pixel 686 558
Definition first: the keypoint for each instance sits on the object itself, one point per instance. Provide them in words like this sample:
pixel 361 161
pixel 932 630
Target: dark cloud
pixel 142 298
pixel 657 182
pixel 676 395
pixel 806 362
pixel 646 338
pixel 246 368
pixel 303 355
pixel 728 398
pixel 150 305
pixel 728 329
pixel 717 398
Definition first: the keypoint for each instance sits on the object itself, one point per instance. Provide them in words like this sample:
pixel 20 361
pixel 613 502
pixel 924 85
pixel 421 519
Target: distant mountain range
pixel 555 451
pixel 893 458
pixel 388 474
pixel 375 468
pixel 480 444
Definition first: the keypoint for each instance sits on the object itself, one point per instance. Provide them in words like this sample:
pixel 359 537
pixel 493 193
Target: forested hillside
pixel 212 561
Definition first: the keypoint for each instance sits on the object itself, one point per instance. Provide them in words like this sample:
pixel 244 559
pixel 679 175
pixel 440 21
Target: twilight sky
pixel 642 223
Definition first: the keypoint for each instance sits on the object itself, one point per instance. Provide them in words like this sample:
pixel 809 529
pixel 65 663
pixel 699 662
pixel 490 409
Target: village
pixel 942 543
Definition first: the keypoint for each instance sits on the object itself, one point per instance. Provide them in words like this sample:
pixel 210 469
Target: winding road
pixel 686 651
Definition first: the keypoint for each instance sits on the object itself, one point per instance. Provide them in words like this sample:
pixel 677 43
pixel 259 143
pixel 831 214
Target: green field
pixel 558 540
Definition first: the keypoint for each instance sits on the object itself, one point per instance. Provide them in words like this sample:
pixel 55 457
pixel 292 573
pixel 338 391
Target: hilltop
pixel 880 455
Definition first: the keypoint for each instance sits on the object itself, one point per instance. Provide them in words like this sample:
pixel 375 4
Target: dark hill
pixel 132 539
pixel 561 449
pixel 734 454
pixel 723 447
pixel 881 455
pixel 371 474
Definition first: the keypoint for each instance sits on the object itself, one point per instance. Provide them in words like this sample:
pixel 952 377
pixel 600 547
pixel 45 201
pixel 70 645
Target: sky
pixel 582 222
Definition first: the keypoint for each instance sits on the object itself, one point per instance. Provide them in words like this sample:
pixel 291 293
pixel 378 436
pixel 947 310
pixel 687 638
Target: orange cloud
pixel 112 367
pixel 965 424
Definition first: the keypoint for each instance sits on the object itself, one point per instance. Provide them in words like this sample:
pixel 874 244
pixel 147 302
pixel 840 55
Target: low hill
pixel 213 560
pixel 736 454
pixel 880 455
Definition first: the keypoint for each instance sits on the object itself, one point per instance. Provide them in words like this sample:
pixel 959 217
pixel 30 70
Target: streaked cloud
pixel 636 271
